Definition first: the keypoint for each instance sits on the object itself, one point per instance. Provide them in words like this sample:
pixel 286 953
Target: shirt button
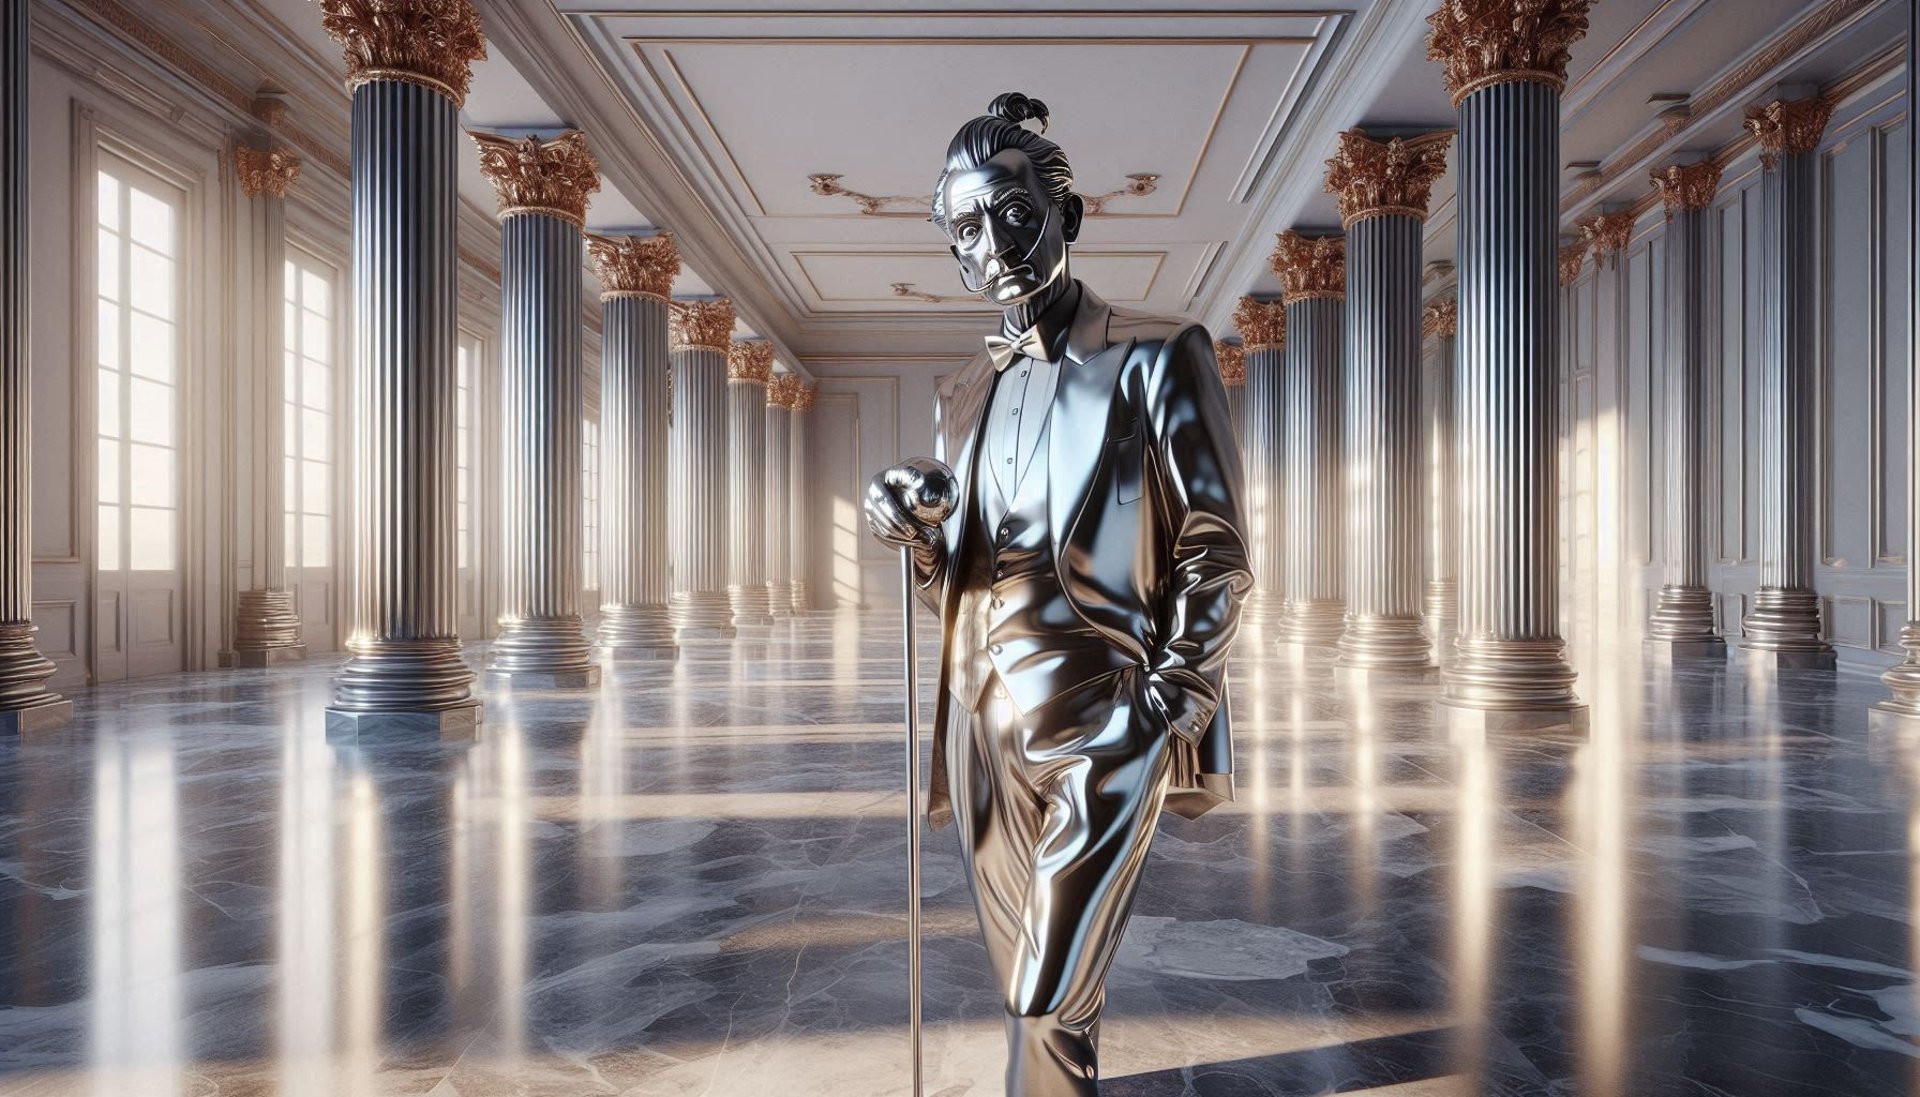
pixel 994 648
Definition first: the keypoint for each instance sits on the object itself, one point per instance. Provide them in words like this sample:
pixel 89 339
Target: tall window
pixel 138 514
pixel 463 440
pixel 590 504
pixel 307 408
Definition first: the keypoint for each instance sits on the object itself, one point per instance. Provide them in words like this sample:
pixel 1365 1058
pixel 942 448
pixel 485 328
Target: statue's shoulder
pixel 1152 334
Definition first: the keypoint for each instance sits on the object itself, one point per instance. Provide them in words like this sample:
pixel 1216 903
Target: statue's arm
pixel 1197 481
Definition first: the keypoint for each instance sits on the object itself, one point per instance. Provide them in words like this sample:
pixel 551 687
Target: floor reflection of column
pixel 363 937
pixel 1474 907
pixel 1603 801
pixel 137 1044
pixel 305 932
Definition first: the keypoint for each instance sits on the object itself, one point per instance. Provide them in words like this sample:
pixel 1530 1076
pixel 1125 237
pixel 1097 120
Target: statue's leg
pixel 1100 771
pixel 997 817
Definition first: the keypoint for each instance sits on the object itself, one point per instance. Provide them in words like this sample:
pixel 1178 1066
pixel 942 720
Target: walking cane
pixel 928 492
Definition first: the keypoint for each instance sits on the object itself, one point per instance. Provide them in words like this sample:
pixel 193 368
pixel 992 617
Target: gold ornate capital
pixel 1311 267
pixel 1607 235
pixel 531 175
pixel 432 43
pixel 1441 317
pixel 1687 186
pixel 1386 178
pixel 1233 362
pixel 804 395
pixel 1787 127
pixel 1488 42
pixel 265 171
pixel 1262 324
pixel 1571 258
pixel 634 266
pixel 782 390
pixel 750 361
pixel 707 323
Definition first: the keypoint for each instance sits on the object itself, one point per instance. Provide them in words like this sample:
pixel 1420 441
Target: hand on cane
pixel 906 504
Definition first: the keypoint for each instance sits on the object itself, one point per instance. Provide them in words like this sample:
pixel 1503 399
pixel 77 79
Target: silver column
pixel 1783 627
pixel 1440 322
pixel 1263 328
pixel 1681 626
pixel 800 492
pixel 1384 187
pixel 697 470
pixel 409 76
pixel 636 277
pixel 1232 358
pixel 749 369
pixel 542 186
pixel 779 486
pixel 1903 679
pixel 266 628
pixel 1313 269
pixel 26 705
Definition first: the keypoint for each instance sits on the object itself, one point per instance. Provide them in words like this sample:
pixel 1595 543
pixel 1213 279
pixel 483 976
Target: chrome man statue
pixel 1088 582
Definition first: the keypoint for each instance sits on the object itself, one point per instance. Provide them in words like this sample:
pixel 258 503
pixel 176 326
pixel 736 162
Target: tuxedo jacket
pixel 1144 509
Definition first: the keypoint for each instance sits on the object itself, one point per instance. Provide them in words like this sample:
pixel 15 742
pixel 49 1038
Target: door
pixel 310 484
pixel 139 580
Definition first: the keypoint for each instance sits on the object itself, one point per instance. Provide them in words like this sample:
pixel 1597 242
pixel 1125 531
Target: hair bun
pixel 1017 108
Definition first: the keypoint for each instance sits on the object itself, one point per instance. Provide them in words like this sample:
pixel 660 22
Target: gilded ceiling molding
pixel 705 323
pixel 1391 178
pixel 531 175
pixel 1571 258
pixel 265 171
pixel 432 43
pixel 1607 234
pixel 1486 42
pixel 1261 324
pixel 1233 362
pixel 804 395
pixel 912 293
pixel 1687 186
pixel 1788 127
pixel 1441 317
pixel 750 361
pixel 827 184
pixel 1311 267
pixel 634 266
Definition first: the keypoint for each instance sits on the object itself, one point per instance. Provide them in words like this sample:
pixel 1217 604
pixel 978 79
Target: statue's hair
pixel 996 131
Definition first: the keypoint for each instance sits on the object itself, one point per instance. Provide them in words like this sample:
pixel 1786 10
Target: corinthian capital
pixel 427 42
pixel 265 171
pixel 1488 42
pixel 531 175
pixel 706 323
pixel 1441 317
pixel 1233 362
pixel 750 361
pixel 1311 267
pixel 1607 234
pixel 1262 324
pixel 783 390
pixel 804 395
pixel 1687 186
pixel 1386 178
pixel 1787 127
pixel 1571 258
pixel 634 266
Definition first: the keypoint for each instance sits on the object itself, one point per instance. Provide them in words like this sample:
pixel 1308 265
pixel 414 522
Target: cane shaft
pixel 913 817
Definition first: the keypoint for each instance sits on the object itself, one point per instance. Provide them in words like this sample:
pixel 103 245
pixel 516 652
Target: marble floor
pixel 691 882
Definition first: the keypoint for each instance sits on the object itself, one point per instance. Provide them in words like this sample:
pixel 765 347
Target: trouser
pixel 1055 809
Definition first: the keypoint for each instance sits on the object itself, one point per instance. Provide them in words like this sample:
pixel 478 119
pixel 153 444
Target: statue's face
pixel 1010 239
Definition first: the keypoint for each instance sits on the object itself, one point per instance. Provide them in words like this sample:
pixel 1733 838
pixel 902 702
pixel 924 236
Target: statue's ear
pixel 1072 212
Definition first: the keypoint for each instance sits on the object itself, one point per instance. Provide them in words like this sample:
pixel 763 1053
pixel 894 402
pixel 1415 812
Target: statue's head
pixel 1006 202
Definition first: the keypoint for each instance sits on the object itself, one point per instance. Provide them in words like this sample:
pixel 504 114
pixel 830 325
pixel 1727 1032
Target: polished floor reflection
pixel 691 882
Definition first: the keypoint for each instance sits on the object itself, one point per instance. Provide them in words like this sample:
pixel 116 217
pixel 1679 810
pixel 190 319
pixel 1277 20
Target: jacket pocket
pixel 1123 457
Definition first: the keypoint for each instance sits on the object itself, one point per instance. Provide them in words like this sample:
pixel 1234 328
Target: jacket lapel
pixel 1082 399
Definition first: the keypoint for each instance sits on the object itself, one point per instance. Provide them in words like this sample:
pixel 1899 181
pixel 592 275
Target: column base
pixel 1903 679
pixel 1711 651
pixel 630 653
pixel 1684 615
pixel 802 598
pixel 543 653
pixel 1786 622
pixel 1389 644
pixel 1442 601
pixel 751 605
pixel 701 615
pixel 403 676
pixel 49 715
pixel 1384 675
pixel 264 657
pixel 585 678
pixel 1503 675
pixel 1480 723
pixel 643 628
pixel 458 724
pixel 1313 624
pixel 780 598
pixel 264 620
pixel 1262 609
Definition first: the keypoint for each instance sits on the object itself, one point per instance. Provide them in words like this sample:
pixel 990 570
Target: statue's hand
pixel 906 503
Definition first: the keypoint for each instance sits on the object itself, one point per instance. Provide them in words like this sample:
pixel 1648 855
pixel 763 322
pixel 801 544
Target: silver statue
pixel 1088 583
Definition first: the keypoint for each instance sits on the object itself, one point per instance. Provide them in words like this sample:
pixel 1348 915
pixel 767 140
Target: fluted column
pixel 1505 74
pixel 749 369
pixel 26 705
pixel 409 73
pixel 1440 321
pixel 1783 626
pixel 777 487
pixel 1682 622
pixel 1233 377
pixel 697 470
pixel 636 279
pixel 1384 187
pixel 1313 272
pixel 266 628
pixel 800 493
pixel 1263 328
pixel 542 188
pixel 1903 679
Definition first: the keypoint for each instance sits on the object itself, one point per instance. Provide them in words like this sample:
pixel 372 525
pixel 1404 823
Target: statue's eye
pixel 1016 213
pixel 966 231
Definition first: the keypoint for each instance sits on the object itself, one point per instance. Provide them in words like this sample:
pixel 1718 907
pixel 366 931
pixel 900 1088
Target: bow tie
pixel 1003 350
